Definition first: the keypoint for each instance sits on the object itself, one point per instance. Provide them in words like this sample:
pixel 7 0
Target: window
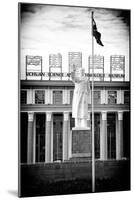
pixel 39 97
pixel 96 97
pixel 112 97
pixel 126 97
pixel 57 97
pixel 71 96
pixel 23 97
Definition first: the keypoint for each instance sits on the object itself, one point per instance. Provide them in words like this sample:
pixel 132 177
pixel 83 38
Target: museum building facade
pixel 46 121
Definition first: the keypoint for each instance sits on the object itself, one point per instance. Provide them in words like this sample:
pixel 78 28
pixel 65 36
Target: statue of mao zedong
pixel 80 97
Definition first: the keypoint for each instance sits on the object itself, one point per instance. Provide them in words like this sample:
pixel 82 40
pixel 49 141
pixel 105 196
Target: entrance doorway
pixel 57 136
pixel 97 134
pixel 111 135
pixel 126 134
pixel 40 137
pixel 23 137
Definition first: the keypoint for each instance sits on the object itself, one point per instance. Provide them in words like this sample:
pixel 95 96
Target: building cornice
pixel 51 83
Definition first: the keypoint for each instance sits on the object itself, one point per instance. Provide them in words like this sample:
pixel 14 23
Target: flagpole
pixel 93 149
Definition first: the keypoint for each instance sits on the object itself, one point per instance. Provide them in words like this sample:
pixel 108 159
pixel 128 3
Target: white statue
pixel 80 97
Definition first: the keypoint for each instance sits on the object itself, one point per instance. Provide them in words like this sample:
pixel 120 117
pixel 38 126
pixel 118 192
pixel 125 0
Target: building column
pixel 103 136
pixel 122 96
pixel 48 96
pixel 65 135
pixel 48 137
pixel 65 96
pixel 30 139
pixel 119 97
pixel 119 136
pixel 103 96
pixel 29 96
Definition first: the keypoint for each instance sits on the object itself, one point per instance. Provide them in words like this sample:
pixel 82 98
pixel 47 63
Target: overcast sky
pixel 48 29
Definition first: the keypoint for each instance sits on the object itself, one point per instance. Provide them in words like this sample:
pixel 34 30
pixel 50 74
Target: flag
pixel 97 34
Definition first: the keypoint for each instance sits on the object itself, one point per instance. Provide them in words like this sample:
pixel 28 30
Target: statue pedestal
pixel 81 142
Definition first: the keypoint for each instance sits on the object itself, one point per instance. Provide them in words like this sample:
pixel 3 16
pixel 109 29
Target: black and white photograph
pixel 74 99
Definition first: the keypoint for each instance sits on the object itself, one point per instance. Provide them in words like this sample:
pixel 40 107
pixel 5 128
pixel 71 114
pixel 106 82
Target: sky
pixel 46 29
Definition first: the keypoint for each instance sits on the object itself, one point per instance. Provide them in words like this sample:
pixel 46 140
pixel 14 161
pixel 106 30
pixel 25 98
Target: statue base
pixel 81 142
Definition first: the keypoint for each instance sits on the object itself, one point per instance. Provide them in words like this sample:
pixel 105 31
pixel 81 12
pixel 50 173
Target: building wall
pixel 53 101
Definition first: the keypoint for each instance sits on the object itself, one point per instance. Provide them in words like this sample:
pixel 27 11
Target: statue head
pixel 80 73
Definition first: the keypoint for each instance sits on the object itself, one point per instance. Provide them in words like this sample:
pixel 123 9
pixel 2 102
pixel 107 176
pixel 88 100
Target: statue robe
pixel 80 99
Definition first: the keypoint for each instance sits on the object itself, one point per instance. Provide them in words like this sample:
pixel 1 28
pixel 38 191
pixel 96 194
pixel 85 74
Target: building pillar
pixel 29 96
pixel 65 96
pixel 103 137
pixel 106 97
pixel 30 138
pixel 48 96
pixel 122 97
pixel 119 101
pixel 48 137
pixel 119 136
pixel 65 135
pixel 103 96
pixel 33 98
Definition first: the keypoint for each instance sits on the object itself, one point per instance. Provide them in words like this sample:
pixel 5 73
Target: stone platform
pixel 81 142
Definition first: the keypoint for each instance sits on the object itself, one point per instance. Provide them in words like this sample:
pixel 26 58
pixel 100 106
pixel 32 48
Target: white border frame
pixel 9 125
